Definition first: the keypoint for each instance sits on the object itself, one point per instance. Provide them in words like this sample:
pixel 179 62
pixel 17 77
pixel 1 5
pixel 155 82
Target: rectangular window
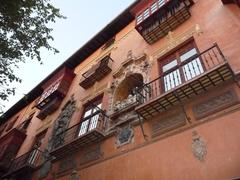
pixel 139 19
pixel 146 14
pixel 90 118
pixel 154 7
pixel 161 3
pixel 24 125
pixel 34 154
pixel 181 66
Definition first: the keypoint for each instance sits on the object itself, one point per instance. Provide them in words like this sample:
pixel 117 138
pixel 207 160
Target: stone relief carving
pixel 132 65
pixel 124 135
pixel 173 40
pixel 56 139
pixel 199 147
pixel 119 105
pixel 61 124
pixel 74 175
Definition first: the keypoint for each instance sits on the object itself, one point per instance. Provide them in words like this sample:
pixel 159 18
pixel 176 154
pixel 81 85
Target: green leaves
pixel 23 32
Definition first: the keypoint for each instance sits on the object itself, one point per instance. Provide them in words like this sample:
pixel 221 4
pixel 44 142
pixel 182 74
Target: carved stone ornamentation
pixel 199 147
pixel 215 104
pixel 174 40
pixel 61 124
pixel 57 139
pixel 44 170
pixel 124 135
pixel 74 175
pixel 132 65
pixel 119 105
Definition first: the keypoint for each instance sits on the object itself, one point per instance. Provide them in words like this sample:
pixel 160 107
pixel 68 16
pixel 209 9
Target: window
pixel 34 154
pixel 139 19
pixel 90 117
pixel 24 125
pixel 49 91
pixel 109 43
pixel 11 123
pixel 146 14
pixel 161 3
pixel 181 66
pixel 154 7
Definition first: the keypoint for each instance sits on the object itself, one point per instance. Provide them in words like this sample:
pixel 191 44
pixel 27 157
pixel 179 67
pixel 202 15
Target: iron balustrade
pixel 190 69
pixel 94 122
pixel 29 159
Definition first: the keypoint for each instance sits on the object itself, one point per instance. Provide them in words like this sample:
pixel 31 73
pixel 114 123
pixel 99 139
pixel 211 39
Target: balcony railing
pixel 161 17
pixel 195 75
pixel 96 72
pixel 88 131
pixel 9 145
pixel 25 163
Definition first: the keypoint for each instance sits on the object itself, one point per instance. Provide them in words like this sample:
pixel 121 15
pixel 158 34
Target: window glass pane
pixel 97 108
pixel 93 123
pixel 188 54
pixel 169 65
pixel 87 113
pixel 83 128
pixel 192 69
pixel 161 3
pixel 172 80
pixel 139 19
pixel 153 7
pixel 146 13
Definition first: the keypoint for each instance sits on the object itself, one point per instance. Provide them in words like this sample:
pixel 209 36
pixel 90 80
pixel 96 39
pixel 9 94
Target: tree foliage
pixel 23 32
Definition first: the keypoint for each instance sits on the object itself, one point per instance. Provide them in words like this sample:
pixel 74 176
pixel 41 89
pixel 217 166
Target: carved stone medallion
pixel 199 148
pixel 124 135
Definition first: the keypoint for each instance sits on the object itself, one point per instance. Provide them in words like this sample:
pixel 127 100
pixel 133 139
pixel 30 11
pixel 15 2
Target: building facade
pixel 154 95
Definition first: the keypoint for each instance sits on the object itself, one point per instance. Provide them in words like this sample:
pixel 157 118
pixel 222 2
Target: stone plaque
pixel 215 104
pixel 168 123
pixel 66 164
pixel 124 135
pixel 91 154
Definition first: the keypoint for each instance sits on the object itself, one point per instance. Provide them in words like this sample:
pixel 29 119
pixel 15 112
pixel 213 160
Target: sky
pixel 84 20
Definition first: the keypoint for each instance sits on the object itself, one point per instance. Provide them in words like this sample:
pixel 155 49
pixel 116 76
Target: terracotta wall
pixel 168 156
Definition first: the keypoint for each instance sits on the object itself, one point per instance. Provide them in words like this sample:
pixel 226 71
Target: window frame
pixel 175 54
pixel 89 106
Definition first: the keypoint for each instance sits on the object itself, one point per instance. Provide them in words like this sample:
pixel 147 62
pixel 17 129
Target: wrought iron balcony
pixel 195 75
pixel 49 108
pixel 161 17
pixel 96 72
pixel 25 164
pixel 9 145
pixel 88 131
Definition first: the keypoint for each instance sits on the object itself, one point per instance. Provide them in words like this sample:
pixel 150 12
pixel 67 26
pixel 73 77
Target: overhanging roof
pixel 80 55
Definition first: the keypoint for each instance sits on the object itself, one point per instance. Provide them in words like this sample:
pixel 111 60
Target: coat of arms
pixel 199 148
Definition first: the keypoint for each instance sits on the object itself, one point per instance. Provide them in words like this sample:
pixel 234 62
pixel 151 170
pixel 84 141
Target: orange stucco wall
pixel 169 156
